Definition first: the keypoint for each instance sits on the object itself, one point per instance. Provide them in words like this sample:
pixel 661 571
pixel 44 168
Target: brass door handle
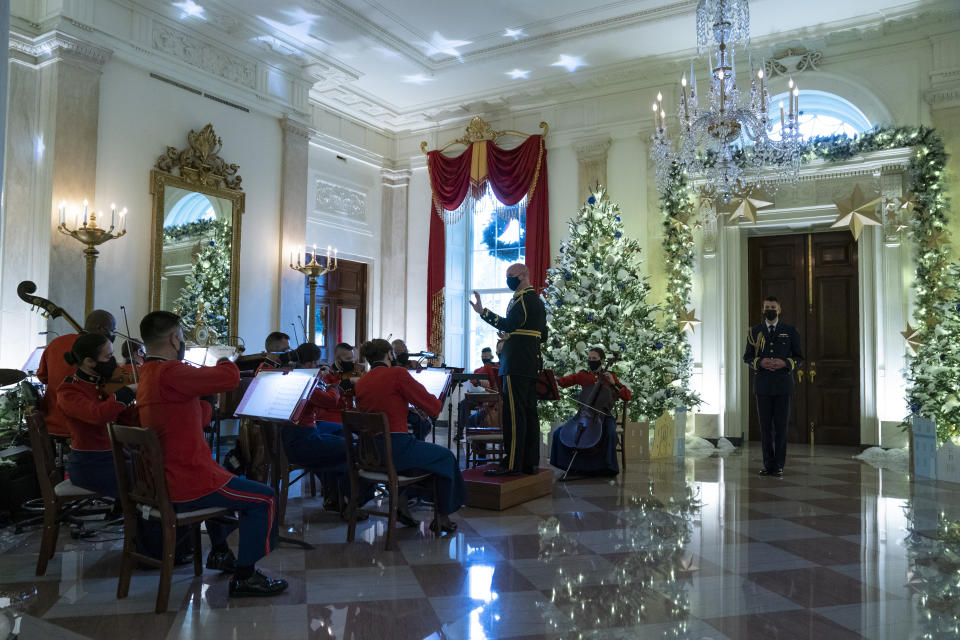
pixel 813 372
pixel 800 375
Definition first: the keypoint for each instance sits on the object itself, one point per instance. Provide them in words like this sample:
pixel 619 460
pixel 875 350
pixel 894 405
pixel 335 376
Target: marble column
pixel 293 225
pixel 592 163
pixel 51 155
pixel 395 185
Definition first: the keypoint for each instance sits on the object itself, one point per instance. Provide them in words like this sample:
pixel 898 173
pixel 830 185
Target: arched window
pixel 821 114
pixel 194 207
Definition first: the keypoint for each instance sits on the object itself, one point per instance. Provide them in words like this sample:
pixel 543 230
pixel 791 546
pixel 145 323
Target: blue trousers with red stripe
pixel 255 503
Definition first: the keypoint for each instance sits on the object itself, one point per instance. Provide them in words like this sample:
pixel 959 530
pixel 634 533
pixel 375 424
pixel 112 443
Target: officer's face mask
pixel 770 314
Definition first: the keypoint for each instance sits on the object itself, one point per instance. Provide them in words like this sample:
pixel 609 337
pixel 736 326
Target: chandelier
pixel 727 143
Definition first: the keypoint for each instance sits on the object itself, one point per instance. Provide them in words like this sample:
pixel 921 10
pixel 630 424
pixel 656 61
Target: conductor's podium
pixel 501 493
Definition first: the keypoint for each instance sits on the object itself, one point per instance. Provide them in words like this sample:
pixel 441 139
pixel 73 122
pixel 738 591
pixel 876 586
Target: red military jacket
pixel 51 372
pixel 169 400
pixel 492 372
pixel 321 402
pixel 344 403
pixel 88 410
pixel 390 390
pixel 585 379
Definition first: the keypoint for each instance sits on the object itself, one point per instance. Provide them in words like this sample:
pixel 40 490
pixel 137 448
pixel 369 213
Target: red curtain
pixel 512 174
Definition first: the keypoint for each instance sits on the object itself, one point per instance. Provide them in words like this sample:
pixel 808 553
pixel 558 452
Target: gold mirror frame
pixel 197 168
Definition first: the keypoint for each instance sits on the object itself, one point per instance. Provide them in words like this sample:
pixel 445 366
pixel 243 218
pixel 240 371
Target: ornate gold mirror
pixel 197 208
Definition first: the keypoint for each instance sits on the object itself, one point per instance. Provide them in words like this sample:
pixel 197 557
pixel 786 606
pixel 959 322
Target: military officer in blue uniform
pixel 773 352
pixel 525 326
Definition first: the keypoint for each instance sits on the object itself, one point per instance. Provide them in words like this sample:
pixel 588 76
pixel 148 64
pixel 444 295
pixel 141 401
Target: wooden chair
pixel 281 468
pixel 622 436
pixel 488 438
pixel 142 484
pixel 370 460
pixel 60 496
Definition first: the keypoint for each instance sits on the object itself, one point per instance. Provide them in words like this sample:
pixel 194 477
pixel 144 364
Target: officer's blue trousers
pixel 412 457
pixel 774 414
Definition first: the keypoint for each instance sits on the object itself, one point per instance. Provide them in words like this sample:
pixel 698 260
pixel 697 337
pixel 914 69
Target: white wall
pixel 139 118
pixel 355 234
pixel 418 236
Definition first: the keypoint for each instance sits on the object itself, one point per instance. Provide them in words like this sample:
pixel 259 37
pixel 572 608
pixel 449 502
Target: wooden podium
pixel 501 493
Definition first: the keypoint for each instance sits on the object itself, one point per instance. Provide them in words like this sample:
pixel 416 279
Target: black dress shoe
pixel 257 585
pixel 500 472
pixel 182 559
pixel 223 561
pixel 531 471
pixel 450 527
pixel 406 519
pixel 764 472
pixel 778 473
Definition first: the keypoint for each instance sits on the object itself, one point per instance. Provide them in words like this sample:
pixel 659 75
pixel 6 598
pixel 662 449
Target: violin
pixel 586 429
pixel 122 377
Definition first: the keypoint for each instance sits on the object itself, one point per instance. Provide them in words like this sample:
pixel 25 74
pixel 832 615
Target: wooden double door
pixel 341 307
pixel 814 277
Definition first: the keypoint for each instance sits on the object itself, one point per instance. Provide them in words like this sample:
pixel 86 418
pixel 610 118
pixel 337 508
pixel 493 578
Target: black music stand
pixel 457 378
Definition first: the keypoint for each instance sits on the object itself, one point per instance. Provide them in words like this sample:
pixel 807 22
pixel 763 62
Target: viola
pixel 586 429
pixel 123 376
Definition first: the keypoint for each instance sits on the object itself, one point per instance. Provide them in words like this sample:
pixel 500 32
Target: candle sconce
pixel 88 232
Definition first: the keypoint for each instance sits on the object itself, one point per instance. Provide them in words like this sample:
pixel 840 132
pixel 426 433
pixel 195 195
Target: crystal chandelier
pixel 727 142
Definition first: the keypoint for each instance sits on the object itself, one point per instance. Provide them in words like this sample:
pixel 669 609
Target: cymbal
pixel 11 376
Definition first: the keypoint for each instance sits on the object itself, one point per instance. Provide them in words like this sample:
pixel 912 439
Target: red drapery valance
pixel 512 174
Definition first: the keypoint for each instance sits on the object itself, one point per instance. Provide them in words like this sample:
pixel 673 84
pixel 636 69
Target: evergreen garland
pixel 933 284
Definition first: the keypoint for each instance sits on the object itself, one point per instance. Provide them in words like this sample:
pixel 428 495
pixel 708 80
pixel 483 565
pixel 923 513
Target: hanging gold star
pixel 688 320
pixel 678 224
pixel 744 204
pixel 936 240
pixel 912 336
pixel 908 202
pixel 856 212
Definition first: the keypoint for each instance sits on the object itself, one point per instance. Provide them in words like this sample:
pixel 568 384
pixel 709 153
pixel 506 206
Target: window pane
pixel 482 334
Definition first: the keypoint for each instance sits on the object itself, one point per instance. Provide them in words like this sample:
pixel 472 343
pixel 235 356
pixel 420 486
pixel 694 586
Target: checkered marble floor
pixel 700 549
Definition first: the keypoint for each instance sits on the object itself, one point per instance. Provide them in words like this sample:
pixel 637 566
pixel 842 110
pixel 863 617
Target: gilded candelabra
pixel 91 234
pixel 314 271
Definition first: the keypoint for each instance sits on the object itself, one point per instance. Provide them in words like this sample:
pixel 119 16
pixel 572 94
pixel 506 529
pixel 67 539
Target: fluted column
pixel 395 185
pixel 592 161
pixel 51 155
pixel 293 222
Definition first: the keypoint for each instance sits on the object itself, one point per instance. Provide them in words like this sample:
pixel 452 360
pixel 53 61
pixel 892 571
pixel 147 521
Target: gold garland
pixel 436 335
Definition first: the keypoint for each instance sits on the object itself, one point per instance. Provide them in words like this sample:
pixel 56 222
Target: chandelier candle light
pixel 313 270
pixel 726 142
pixel 91 234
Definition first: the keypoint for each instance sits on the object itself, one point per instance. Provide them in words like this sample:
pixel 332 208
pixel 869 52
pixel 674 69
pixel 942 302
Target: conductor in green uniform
pixel 525 328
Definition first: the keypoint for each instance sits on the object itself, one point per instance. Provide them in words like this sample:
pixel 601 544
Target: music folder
pixel 436 381
pixel 278 396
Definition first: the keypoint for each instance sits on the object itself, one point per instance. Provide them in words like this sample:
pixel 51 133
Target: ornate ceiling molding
pixel 203 55
pixel 296 128
pixel 56 45
pixel 331 198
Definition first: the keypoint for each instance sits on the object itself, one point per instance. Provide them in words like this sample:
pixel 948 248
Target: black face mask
pixel 770 314
pixel 594 364
pixel 486 360
pixel 346 367
pixel 513 282
pixel 182 350
pixel 403 358
pixel 106 369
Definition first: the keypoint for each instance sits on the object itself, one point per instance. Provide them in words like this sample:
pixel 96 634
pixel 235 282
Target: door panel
pixel 340 291
pixel 814 276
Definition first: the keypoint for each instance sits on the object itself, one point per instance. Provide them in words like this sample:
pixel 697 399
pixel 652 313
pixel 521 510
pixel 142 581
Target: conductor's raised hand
pixel 476 304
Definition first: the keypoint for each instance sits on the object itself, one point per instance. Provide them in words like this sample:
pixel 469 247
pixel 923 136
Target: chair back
pixel 141 479
pixel 48 476
pixel 369 446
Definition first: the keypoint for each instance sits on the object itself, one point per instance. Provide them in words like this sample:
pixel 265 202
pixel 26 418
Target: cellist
pixel 603 461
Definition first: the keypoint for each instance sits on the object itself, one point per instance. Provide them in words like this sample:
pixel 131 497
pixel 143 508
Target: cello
pixel 585 431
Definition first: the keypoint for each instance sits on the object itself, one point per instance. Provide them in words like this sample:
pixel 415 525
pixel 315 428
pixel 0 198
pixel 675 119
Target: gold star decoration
pixel 856 212
pixel 688 320
pixel 893 216
pixel 744 204
pixel 912 336
pixel 936 240
pixel 908 202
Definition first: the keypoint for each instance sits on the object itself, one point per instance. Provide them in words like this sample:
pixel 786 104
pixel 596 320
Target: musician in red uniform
pixel 343 374
pixel 169 401
pixel 602 461
pixel 53 368
pixel 391 390
pixel 87 411
pixel 319 445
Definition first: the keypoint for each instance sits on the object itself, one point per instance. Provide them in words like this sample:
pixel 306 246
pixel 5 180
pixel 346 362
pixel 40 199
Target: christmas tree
pixel 597 297
pixel 208 283
pixel 934 372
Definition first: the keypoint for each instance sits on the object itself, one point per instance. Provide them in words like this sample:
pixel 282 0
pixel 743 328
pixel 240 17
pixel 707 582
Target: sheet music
pixel 209 356
pixel 274 395
pixel 33 362
pixel 435 380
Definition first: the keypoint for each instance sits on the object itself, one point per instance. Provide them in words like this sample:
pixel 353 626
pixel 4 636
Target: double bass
pixel 585 430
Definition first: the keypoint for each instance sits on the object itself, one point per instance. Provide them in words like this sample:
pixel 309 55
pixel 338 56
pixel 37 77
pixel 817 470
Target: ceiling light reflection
pixel 479 582
pixel 190 9
pixel 418 78
pixel 516 34
pixel 519 74
pixel 439 45
pixel 570 63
